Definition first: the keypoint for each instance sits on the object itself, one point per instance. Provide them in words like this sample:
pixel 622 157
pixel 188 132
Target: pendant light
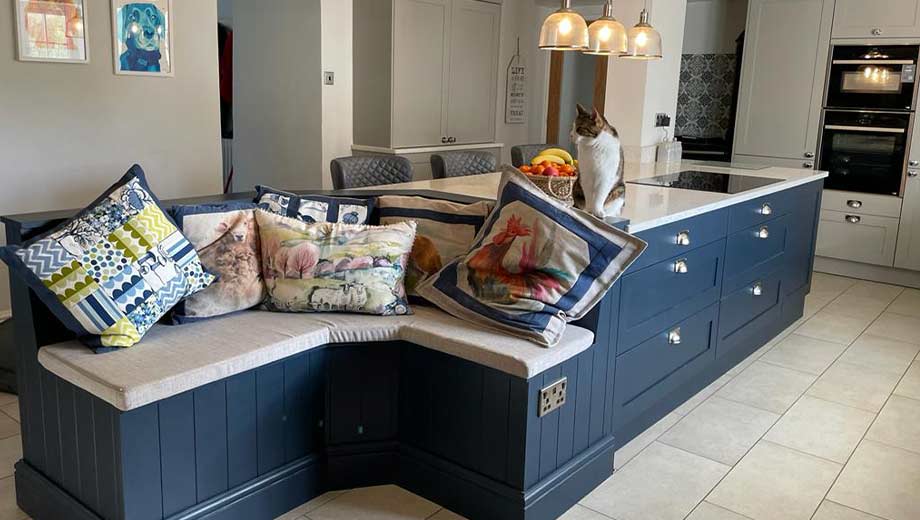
pixel 606 35
pixel 564 30
pixel 643 41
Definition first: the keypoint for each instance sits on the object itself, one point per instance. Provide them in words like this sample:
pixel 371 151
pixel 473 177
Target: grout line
pixel 592 510
pixel 853 508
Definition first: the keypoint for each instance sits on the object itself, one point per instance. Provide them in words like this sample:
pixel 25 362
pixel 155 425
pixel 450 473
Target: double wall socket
pixel 552 397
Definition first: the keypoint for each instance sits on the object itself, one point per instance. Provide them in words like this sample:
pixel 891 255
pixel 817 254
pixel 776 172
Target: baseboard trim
pixel 40 498
pixel 875 273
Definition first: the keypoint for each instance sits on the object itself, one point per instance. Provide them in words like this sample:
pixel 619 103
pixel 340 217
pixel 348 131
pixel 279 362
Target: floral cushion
pixel 314 208
pixel 535 265
pixel 114 269
pixel 334 267
pixel 445 230
pixel 226 237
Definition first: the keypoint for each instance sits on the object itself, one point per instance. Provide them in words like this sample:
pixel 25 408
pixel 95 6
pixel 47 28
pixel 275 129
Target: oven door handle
pixel 873 62
pixel 866 129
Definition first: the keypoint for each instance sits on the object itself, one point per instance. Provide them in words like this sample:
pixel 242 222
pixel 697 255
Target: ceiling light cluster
pixel 566 30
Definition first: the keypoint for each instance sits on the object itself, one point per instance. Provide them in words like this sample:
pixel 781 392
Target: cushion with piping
pixel 314 208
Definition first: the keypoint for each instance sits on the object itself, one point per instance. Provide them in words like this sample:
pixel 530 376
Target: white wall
pixel 713 26
pixel 68 131
pixel 338 99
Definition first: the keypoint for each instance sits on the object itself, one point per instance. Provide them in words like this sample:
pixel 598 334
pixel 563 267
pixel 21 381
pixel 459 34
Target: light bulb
pixel 565 26
pixel 604 34
pixel 641 39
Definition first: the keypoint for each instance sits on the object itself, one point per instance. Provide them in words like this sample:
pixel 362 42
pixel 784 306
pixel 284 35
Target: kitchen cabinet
pixel 874 19
pixel 782 80
pixel 855 237
pixel 908 251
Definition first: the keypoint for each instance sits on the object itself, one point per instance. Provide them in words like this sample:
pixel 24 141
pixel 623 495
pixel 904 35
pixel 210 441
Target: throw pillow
pixel 445 230
pixel 226 237
pixel 114 269
pixel 535 265
pixel 314 208
pixel 334 267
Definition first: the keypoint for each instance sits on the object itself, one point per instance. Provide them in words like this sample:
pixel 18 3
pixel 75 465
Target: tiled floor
pixel 823 423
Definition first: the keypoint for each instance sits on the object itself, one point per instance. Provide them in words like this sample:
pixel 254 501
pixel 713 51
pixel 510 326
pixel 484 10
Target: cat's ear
pixel 598 117
pixel 582 111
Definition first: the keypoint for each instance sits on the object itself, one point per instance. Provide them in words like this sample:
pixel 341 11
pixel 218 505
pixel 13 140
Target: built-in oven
pixel 865 151
pixel 880 77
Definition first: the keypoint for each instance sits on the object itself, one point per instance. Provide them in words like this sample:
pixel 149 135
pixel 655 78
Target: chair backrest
pixel 369 170
pixel 458 164
pixel 523 153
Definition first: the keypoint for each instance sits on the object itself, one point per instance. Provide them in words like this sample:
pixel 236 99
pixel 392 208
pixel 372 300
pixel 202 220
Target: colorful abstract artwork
pixel 52 30
pixel 143 37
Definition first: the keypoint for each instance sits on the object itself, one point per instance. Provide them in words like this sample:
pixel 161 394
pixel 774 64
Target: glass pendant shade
pixel 643 42
pixel 564 30
pixel 606 35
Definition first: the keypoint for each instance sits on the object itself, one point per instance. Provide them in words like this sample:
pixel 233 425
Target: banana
pixel 559 152
pixel 551 158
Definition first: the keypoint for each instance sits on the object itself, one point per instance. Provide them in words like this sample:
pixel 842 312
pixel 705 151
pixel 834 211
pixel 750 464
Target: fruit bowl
pixel 555 172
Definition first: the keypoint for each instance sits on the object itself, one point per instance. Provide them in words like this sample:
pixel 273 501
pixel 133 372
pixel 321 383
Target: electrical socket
pixel 662 120
pixel 552 397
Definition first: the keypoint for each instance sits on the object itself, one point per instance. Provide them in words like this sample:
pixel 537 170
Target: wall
pixel 70 130
pixel 338 99
pixel 713 26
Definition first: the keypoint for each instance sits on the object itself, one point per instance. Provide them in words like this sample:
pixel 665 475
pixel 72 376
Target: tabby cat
pixel 600 164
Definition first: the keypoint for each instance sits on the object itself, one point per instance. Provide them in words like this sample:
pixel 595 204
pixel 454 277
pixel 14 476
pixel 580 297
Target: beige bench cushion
pixel 175 359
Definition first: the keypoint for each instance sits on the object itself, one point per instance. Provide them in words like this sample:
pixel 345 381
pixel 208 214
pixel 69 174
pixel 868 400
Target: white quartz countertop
pixel 647 207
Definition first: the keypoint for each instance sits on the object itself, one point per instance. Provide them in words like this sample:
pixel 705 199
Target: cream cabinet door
pixel 858 238
pixel 473 85
pixel 420 42
pixel 908 255
pixel 786 49
pixel 876 19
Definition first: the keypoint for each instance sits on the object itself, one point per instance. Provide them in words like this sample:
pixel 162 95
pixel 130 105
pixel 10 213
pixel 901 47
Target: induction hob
pixel 707 181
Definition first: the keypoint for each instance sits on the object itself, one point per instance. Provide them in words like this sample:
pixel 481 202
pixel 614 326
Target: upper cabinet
pixel 425 72
pixel 876 19
pixel 782 80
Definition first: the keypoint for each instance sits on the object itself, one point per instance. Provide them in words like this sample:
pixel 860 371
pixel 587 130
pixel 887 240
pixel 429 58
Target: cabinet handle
pixel 764 233
pixel 674 336
pixel 854 204
pixel 912 173
pixel 809 155
pixel 808 164
pixel 876 32
pixel 766 209
pixel 853 219
pixel 757 290
pixel 681 267
pixel 443 140
pixel 683 238
pixel 451 140
pixel 913 163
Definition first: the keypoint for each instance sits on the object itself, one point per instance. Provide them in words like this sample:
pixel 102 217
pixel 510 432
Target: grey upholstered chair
pixel 523 153
pixel 458 164
pixel 369 170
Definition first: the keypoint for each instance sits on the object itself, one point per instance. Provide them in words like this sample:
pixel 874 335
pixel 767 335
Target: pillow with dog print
pixel 226 237
pixel 314 208
pixel 114 269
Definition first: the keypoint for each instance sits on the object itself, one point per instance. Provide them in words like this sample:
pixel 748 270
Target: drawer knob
pixel 757 290
pixel 913 163
pixel 853 219
pixel 912 173
pixel 876 32
pixel 808 164
pixel 766 209
pixel 680 267
pixel 683 238
pixel 854 203
pixel 674 337
pixel 809 155
pixel 764 233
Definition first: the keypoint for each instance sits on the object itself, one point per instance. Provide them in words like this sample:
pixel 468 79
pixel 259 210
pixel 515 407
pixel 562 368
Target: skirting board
pixel 875 273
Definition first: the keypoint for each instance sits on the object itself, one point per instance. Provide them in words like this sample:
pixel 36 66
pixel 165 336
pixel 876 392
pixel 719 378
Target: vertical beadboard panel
pixel 610 309
pixel 140 461
pixel 177 452
pixel 297 407
pixel 496 391
pixel 105 424
pixel 211 440
pixel 86 449
pixel 549 431
pixel 317 386
pixel 567 413
pixel 270 413
pixel 70 466
pixel 242 429
pixel 583 405
pixel 598 392
pixel 517 429
pixel 53 466
pixel 534 431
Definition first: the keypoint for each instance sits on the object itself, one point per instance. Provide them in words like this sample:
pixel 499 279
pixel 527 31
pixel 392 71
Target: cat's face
pixel 588 125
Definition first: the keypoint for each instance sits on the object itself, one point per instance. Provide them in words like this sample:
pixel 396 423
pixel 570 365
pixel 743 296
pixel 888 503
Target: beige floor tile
pixel 813 304
pixel 829 286
pixel 874 290
pixel 857 306
pixel 446 514
pixel 640 442
pixel 707 511
pixel 8 508
pixel 821 428
pixel 298 512
pixel 764 487
pixel 10 453
pixel 897 326
pixel 910 383
pixel 803 353
pixel 702 395
pixel 835 327
pixel 855 385
pixel 880 353
pixel 661 483
pixel 834 511
pixel 12 410
pixel 8 426
pixel 6 398
pixel 907 303
pixel 720 430
pixel 581 513
pixel 898 424
pixel 880 480
pixel 375 503
pixel 767 386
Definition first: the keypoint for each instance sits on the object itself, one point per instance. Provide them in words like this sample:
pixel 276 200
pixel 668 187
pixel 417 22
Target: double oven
pixel 868 118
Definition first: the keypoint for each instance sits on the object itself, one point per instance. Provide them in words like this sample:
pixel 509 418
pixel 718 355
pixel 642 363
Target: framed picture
pixel 51 30
pixel 143 37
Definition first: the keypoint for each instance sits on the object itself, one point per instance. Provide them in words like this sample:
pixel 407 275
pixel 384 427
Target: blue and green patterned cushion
pixel 314 208
pixel 534 266
pixel 114 269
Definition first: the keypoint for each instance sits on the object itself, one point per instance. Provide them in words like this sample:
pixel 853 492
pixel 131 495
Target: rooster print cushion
pixel 334 267
pixel 314 208
pixel 113 270
pixel 226 237
pixel 535 265
pixel 445 231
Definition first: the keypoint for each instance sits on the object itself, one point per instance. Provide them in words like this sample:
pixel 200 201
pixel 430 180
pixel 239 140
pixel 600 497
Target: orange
pixel 538 169
pixel 526 169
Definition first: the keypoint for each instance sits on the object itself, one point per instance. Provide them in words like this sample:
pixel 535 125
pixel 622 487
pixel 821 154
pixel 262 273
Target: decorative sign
pixel 516 95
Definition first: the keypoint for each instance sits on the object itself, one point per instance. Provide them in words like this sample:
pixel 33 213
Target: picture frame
pixel 51 31
pixel 143 43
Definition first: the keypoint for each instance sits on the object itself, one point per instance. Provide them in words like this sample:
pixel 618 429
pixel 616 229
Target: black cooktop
pixel 707 181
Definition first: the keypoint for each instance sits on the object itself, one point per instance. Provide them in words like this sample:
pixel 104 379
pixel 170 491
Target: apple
pixel 551 172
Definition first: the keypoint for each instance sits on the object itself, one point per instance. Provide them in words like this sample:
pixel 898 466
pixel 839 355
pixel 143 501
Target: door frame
pixel 554 95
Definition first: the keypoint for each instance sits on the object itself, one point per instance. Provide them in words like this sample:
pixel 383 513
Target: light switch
pixel 329 77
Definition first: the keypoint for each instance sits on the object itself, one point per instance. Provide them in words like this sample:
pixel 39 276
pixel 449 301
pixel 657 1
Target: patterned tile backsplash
pixel 704 100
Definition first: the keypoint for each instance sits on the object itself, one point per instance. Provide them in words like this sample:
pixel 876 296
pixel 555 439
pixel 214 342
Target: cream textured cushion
pixel 172 360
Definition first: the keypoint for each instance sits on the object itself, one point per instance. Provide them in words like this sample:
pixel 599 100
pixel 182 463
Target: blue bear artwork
pixel 142 33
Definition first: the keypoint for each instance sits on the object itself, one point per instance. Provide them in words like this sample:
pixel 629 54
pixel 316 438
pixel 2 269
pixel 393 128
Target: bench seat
pixel 175 359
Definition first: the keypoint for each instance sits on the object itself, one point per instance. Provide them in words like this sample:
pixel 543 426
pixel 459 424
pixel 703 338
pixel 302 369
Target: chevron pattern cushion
pixel 314 208
pixel 114 269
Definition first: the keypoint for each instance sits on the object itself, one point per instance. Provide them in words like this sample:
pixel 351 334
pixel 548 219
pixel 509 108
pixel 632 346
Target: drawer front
pixel 680 237
pixel 661 364
pixel 669 291
pixel 753 299
pixel 759 210
pixel 862 203
pixel 857 238
pixel 755 334
pixel 757 249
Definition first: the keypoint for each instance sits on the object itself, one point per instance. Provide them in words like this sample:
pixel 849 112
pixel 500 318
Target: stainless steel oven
pixel 865 150
pixel 878 77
